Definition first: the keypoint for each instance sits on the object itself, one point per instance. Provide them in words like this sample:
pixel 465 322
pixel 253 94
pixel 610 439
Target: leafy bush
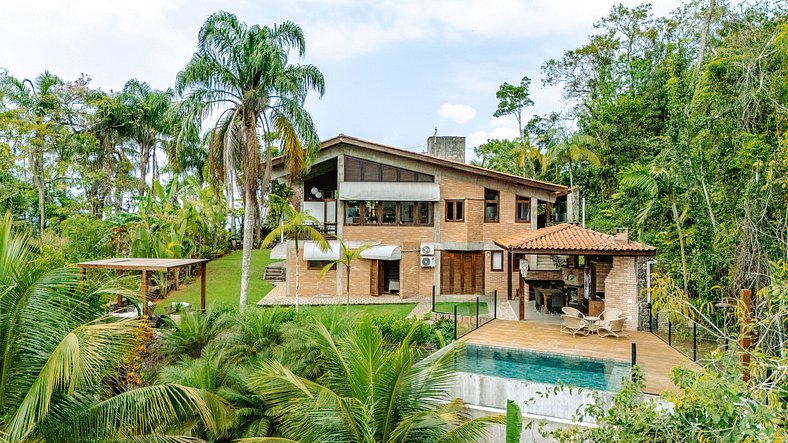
pixel 87 238
pixel 394 330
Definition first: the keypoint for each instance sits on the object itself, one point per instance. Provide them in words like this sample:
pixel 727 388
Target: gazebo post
pixel 144 292
pixel 120 297
pixel 202 286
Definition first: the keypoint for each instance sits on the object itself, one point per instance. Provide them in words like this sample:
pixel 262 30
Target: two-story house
pixel 431 217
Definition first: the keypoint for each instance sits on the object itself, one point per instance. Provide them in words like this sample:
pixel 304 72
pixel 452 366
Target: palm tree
pixel 657 185
pixel 370 391
pixel 242 73
pixel 346 257
pixel 576 149
pixel 36 102
pixel 148 110
pixel 57 352
pixel 296 225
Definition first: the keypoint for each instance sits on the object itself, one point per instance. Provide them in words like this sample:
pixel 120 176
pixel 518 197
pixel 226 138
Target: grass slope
pixel 223 283
pixel 399 310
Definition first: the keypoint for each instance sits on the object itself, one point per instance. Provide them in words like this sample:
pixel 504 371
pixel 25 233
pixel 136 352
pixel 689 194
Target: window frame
pixel 496 202
pixel 363 221
pixel 323 263
pixel 492 261
pixel 517 202
pixel 453 203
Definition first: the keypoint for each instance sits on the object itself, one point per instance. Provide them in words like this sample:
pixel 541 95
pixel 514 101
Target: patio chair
pixel 613 327
pixel 556 301
pixel 610 314
pixel 574 325
pixel 568 310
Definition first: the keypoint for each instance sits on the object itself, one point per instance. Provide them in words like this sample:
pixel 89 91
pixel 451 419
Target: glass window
pixel 523 209
pixel 496 262
pixel 318 265
pixel 454 210
pixel 352 213
pixel 389 213
pixel 371 213
pixel 407 213
pixel 423 213
pixel 491 198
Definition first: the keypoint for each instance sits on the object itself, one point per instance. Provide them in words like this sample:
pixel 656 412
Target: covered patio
pixel 145 266
pixel 595 271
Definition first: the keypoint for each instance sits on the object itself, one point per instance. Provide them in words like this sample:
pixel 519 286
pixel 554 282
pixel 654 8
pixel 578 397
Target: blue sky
pixel 395 70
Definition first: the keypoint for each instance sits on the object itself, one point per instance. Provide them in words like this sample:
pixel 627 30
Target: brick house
pixel 431 218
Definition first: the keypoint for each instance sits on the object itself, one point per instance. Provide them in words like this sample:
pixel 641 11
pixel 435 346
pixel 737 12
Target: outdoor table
pixel 593 325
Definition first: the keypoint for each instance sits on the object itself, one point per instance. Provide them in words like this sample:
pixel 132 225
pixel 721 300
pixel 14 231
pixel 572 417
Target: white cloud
pixel 457 113
pixel 498 133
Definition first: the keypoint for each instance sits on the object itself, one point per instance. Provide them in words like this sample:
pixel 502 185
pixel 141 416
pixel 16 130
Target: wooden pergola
pixel 146 265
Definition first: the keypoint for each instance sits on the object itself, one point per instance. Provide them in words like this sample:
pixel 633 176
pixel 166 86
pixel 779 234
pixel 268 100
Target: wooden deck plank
pixel 654 356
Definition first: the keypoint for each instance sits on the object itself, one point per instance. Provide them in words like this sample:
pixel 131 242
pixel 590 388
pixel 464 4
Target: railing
pixel 686 336
pixel 468 312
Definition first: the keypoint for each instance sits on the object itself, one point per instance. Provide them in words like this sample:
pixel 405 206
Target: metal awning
pixel 279 252
pixel 312 251
pixel 382 252
pixel 389 191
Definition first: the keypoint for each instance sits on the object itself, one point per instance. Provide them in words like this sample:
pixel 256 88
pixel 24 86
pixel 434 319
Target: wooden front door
pixel 376 277
pixel 462 272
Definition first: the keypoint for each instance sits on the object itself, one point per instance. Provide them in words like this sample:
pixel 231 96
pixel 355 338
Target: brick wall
pixel 310 282
pixel 496 280
pixel 621 290
pixel 602 271
pixel 389 235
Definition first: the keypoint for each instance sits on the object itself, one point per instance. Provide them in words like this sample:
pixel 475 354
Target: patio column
pixel 523 297
pixel 144 292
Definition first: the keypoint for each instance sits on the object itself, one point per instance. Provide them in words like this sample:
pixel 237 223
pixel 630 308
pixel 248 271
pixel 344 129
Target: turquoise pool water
pixel 541 367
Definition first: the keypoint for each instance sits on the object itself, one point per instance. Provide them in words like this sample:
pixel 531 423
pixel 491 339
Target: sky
pixel 395 70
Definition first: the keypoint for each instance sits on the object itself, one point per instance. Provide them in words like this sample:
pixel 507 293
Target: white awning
pixel 312 251
pixel 279 252
pixel 389 191
pixel 382 252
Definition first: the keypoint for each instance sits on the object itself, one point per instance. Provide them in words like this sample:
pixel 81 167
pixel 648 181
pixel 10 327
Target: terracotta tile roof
pixel 568 238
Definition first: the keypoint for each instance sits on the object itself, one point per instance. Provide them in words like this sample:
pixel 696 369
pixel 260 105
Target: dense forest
pixel 675 127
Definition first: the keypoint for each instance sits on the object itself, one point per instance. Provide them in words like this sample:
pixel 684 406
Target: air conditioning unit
pixel 427 261
pixel 427 249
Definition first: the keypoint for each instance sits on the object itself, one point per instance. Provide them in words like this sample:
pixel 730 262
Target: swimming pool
pixel 604 375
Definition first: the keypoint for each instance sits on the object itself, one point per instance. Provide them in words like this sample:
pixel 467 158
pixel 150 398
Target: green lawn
pixel 223 284
pixel 399 310
pixel 463 308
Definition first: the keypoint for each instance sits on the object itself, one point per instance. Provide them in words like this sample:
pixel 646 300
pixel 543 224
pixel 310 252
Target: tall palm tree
pixel 296 225
pixel 242 73
pixel 36 102
pixel 148 123
pixel 370 391
pixel 346 258
pixel 57 352
pixel 578 148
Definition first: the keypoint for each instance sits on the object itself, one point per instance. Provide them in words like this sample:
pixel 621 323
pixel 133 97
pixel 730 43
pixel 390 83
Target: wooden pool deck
pixel 654 356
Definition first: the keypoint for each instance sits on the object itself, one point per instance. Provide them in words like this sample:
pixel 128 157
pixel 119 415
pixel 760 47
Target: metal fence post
pixel 694 341
pixel 670 333
pixel 495 304
pixel 634 353
pixel 433 298
pixel 477 312
pixel 650 318
pixel 455 322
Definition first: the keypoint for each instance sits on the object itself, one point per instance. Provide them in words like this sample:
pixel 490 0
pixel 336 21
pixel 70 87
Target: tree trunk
pixel 704 32
pixel 681 245
pixel 36 164
pixel 251 164
pixel 347 292
pixel 708 201
pixel 144 155
pixel 246 261
pixel 571 178
pixel 296 273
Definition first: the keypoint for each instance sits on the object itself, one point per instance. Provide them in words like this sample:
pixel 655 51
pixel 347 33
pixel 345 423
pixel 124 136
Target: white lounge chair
pixel 613 327
pixel 572 311
pixel 574 325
